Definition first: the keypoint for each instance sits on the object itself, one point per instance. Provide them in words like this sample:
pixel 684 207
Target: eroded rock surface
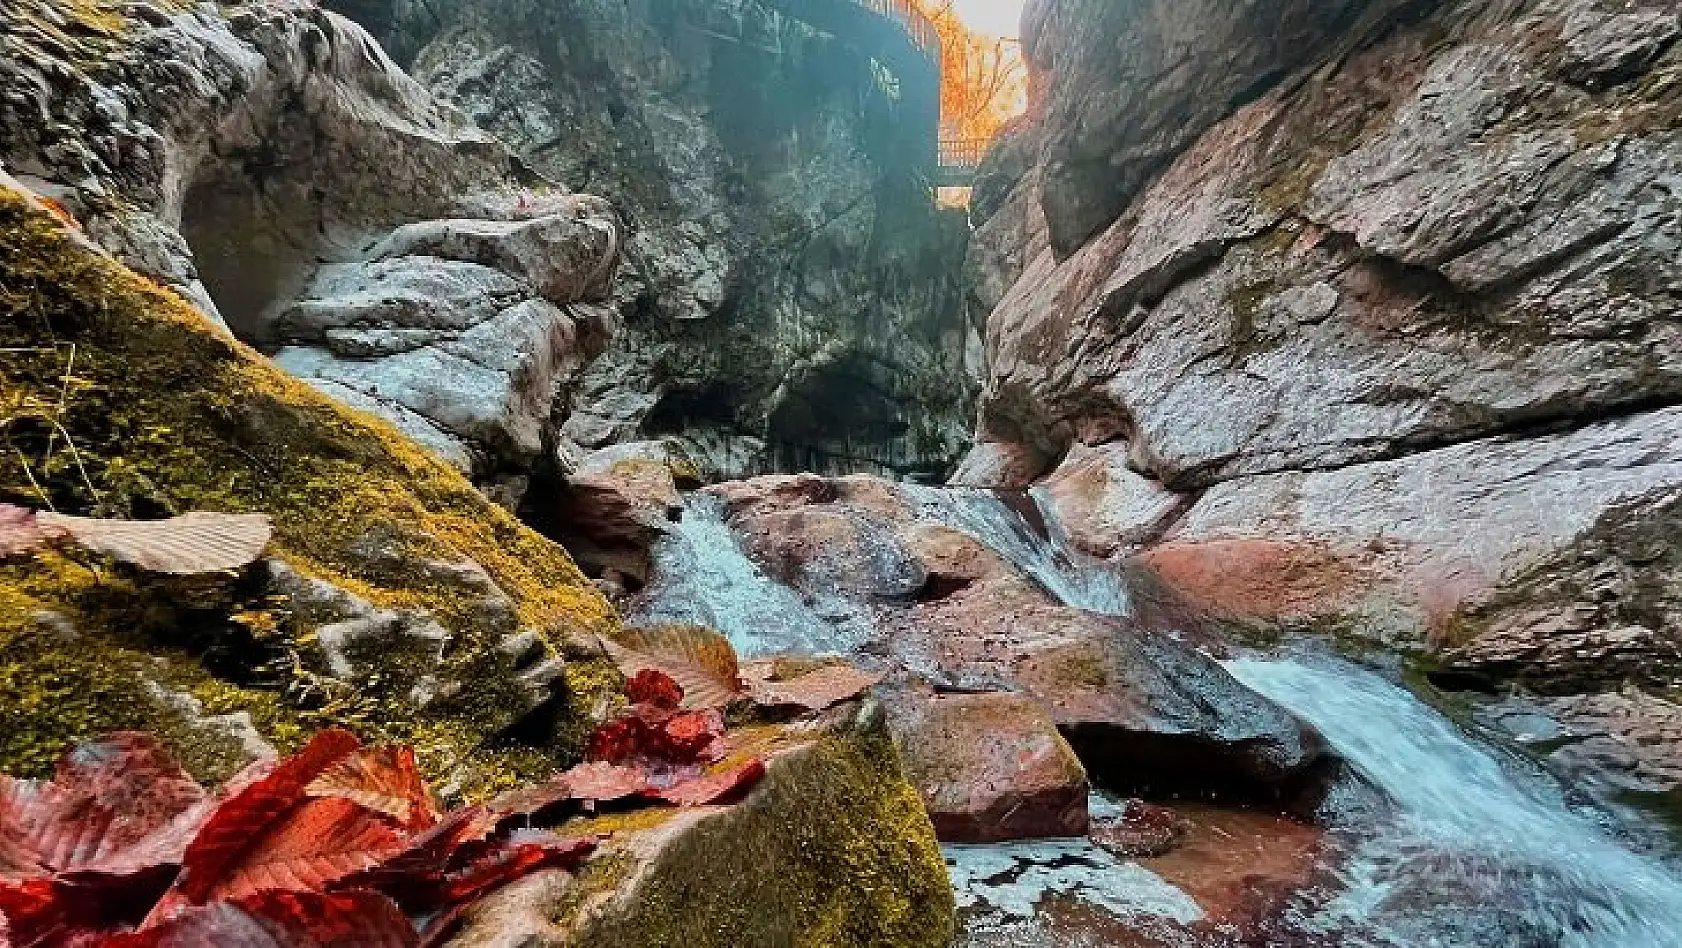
pixel 1384 295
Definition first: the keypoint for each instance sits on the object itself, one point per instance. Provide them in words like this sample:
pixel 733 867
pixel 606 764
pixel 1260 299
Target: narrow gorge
pixel 1245 514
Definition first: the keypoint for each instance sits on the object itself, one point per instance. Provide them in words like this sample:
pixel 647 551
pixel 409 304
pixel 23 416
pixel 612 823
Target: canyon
pixel 1256 511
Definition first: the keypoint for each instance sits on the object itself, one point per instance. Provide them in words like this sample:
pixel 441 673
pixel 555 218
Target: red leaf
pixel 414 876
pixel 520 855
pixel 534 800
pixel 256 800
pixel 383 779
pixel 603 782
pixel 133 774
pixel 648 732
pixel 319 843
pixel 726 787
pixel 282 920
pixel 654 687
pixel 36 913
pixel 687 736
pixel 24 806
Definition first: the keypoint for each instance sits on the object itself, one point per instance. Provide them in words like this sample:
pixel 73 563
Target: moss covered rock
pixel 832 850
pixel 118 399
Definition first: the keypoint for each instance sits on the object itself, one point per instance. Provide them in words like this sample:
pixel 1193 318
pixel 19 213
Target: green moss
pixel 833 851
pixel 166 415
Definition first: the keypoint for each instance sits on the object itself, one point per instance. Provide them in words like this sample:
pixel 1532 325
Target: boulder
pixel 1102 506
pixel 615 506
pixel 990 767
pixel 832 850
pixel 1386 550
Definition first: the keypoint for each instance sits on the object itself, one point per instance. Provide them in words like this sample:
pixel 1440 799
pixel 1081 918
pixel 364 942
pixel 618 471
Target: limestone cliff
pixel 1384 293
pixel 791 296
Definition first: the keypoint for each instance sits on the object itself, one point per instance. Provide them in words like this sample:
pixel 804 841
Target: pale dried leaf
pixel 823 687
pixel 700 660
pixel 199 542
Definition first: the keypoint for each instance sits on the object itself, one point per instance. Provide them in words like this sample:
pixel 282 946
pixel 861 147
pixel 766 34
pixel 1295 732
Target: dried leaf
pixel 700 660
pixel 604 782
pixel 282 920
pixel 21 531
pixel 823 687
pixel 318 843
pixel 261 797
pixel 383 779
pixel 534 800
pixel 415 876
pixel 520 855
pixel 654 687
pixel 657 734
pixel 726 787
pixel 199 542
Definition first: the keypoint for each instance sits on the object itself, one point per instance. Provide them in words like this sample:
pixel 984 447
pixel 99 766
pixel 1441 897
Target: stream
pixel 1476 846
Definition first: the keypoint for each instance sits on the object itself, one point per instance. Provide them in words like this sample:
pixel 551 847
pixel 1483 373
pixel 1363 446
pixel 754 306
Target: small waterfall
pixel 710 581
pixel 1483 852
pixel 1074 579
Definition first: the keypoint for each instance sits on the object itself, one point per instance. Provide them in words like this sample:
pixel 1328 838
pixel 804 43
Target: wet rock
pixel 1140 830
pixel 1386 550
pixel 1103 507
pixel 616 505
pixel 767 871
pixel 1621 745
pixel 990 767
pixel 994 465
pixel 774 492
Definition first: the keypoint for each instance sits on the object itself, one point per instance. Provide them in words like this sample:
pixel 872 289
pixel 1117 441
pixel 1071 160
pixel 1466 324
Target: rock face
pixel 1385 293
pixel 258 162
pixel 791 300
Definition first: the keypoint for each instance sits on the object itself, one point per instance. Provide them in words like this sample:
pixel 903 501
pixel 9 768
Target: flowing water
pixel 709 581
pixel 1480 849
pixel 1484 850
pixel 1063 572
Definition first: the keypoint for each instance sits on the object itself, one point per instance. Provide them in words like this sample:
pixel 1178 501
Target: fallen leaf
pixel 21 531
pixel 823 687
pixel 701 661
pixel 415 875
pixel 282 920
pixel 726 787
pixel 199 542
pixel 654 687
pixel 246 812
pixel 320 842
pixel 602 782
pixel 522 854
pixel 383 779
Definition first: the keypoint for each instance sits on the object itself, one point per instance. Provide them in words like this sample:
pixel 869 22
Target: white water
pixel 984 516
pixel 709 581
pixel 1483 853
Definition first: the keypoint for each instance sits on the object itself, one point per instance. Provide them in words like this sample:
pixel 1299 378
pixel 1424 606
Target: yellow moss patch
pixel 834 850
pixel 168 415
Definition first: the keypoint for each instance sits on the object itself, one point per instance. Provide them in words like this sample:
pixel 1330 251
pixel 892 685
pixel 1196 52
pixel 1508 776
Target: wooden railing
pixel 963 152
